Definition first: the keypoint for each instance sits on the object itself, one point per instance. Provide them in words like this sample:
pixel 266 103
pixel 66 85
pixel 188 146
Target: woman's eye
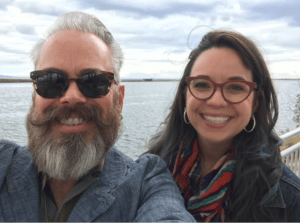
pixel 235 87
pixel 201 85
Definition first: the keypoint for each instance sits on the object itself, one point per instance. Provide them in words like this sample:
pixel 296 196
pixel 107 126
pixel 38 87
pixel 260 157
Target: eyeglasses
pixel 233 92
pixel 53 83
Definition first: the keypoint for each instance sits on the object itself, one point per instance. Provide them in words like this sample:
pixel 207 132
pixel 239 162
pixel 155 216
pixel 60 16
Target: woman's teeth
pixel 72 121
pixel 216 120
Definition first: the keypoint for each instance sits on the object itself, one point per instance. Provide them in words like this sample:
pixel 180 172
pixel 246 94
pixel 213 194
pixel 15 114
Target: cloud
pixel 273 10
pixel 5 28
pixel 154 8
pixel 149 33
pixel 4 4
pixel 8 49
pixel 26 29
pixel 51 11
pixel 157 35
pixel 41 7
pixel 13 58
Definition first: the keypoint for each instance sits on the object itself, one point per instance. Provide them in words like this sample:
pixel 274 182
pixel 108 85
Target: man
pixel 70 170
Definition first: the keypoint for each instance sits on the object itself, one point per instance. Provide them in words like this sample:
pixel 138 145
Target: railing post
pixel 291 155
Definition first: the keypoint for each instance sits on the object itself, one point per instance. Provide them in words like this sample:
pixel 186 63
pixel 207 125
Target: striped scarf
pixel 207 199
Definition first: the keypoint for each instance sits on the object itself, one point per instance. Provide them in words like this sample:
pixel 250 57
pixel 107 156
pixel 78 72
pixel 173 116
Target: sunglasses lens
pixel 50 85
pixel 94 85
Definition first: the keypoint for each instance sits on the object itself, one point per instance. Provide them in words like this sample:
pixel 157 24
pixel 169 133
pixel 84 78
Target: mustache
pixel 86 113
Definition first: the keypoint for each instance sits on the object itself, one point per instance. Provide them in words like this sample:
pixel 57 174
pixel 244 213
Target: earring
pixel 254 123
pixel 185 118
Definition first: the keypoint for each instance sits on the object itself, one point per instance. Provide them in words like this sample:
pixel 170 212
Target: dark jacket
pixel 285 205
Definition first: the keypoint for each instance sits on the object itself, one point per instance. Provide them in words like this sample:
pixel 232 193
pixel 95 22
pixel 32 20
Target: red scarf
pixel 210 201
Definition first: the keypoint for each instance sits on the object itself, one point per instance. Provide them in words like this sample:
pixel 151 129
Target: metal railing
pixel 291 155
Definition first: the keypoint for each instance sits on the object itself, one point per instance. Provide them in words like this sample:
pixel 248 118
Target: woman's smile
pixel 214 122
pixel 216 119
pixel 222 136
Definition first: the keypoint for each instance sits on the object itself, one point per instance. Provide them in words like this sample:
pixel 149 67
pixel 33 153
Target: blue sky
pixel 157 35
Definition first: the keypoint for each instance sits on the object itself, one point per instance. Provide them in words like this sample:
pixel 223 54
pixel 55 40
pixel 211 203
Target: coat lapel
pixel 96 200
pixel 22 200
pixel 23 191
pixel 93 203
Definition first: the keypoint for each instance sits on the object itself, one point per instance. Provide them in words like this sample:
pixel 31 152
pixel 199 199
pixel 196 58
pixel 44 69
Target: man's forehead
pixel 69 36
pixel 73 48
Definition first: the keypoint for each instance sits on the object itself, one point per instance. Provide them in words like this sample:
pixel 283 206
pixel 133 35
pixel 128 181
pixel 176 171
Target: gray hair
pixel 82 22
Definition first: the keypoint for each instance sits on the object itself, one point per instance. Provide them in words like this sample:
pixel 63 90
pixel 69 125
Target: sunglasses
pixel 52 83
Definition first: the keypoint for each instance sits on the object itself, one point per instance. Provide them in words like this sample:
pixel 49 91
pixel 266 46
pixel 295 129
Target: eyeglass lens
pixel 54 84
pixel 232 91
pixel 51 85
pixel 93 85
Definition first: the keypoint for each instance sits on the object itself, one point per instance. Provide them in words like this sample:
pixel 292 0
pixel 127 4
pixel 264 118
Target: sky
pixel 156 36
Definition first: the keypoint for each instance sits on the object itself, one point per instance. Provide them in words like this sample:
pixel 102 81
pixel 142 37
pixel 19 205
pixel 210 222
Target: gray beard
pixel 71 156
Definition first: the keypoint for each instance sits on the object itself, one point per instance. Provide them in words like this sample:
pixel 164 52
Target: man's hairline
pixel 44 40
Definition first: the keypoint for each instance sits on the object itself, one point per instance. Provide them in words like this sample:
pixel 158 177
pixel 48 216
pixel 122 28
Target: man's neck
pixel 60 189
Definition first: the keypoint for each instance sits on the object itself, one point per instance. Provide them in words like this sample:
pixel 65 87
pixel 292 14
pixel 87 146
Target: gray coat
pixel 127 190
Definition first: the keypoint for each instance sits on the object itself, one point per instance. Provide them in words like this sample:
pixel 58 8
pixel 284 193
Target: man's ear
pixel 121 89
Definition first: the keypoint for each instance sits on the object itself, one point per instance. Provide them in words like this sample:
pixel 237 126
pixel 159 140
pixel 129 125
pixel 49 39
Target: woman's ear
pixel 255 105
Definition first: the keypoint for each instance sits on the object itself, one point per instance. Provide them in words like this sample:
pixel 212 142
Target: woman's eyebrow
pixel 231 78
pixel 237 78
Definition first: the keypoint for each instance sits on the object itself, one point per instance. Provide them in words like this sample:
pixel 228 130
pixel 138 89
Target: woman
pixel 219 141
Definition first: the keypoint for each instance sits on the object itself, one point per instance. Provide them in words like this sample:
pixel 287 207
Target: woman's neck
pixel 212 152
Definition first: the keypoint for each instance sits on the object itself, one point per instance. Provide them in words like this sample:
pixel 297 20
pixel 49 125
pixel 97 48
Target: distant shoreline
pixel 12 80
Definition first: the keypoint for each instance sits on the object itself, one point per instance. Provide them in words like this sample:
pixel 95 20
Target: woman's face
pixel 216 120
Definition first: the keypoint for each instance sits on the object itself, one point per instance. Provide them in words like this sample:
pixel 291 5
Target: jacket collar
pixel 98 197
pixel 277 200
pixel 22 179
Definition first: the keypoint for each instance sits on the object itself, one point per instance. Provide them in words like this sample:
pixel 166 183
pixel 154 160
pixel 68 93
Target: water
pixel 145 107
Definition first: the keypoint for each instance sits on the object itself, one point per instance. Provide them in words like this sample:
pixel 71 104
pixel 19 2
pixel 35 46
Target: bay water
pixel 146 105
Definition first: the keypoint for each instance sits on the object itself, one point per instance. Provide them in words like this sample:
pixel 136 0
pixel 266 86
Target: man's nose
pixel 73 95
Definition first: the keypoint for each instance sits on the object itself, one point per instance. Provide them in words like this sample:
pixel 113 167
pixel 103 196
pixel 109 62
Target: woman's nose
pixel 217 99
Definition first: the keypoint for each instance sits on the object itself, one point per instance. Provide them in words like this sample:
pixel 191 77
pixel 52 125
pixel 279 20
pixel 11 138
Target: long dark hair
pixel 258 160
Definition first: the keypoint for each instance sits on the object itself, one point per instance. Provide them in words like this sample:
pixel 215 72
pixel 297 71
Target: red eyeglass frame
pixel 252 85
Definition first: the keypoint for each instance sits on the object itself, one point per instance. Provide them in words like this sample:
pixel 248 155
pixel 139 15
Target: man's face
pixel 55 145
